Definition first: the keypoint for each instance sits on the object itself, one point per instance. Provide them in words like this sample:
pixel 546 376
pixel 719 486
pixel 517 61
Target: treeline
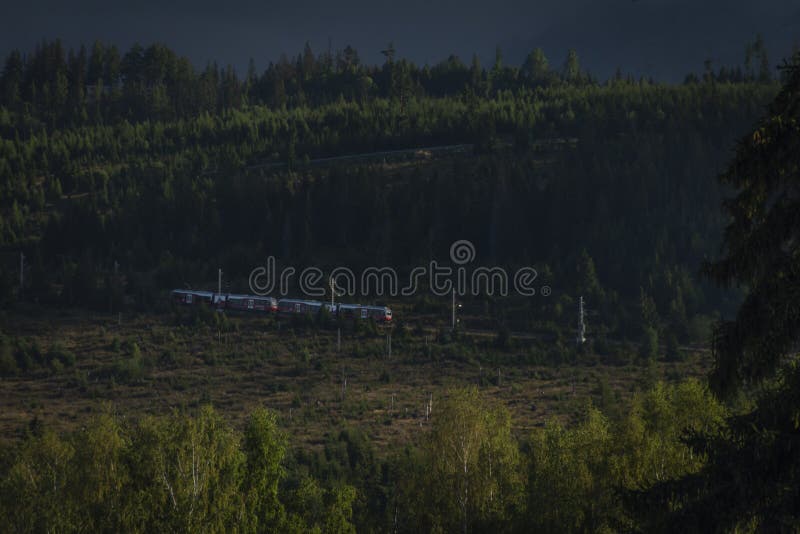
pixel 109 215
pixel 604 187
pixel 55 87
pixel 178 474
pixel 465 472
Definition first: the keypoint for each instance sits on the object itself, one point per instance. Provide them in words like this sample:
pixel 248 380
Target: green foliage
pixel 467 475
pixel 265 448
pixel 750 482
pixel 201 164
pixel 58 353
pixel 568 469
pixel 339 516
pixel 760 245
pixel 26 356
pixel 140 165
pixel 576 474
pixel 178 474
pixel 187 473
pixel 36 486
pixel 315 509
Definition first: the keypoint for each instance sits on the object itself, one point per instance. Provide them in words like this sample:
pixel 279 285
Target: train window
pixel 297 307
pixel 250 304
pixel 189 299
pixel 363 313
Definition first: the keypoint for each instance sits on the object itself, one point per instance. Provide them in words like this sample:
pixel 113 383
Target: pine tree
pixel 751 479
pixel 536 67
pixel 572 67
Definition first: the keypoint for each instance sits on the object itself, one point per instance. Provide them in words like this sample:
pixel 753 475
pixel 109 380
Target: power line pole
pixel 454 308
pixel 581 339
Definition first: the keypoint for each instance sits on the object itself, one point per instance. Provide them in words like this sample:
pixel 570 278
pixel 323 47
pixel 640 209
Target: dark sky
pixel 662 38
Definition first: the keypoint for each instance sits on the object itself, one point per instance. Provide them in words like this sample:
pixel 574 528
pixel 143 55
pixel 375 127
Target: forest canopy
pixel 124 174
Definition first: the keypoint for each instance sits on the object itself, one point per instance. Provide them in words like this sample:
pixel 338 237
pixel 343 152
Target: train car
pixel 358 311
pixel 259 304
pixel 376 313
pixel 251 303
pixel 191 297
pixel 348 311
pixel 299 307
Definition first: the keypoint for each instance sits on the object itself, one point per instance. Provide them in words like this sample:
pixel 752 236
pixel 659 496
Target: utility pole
pixel 455 307
pixel 219 282
pixel 581 339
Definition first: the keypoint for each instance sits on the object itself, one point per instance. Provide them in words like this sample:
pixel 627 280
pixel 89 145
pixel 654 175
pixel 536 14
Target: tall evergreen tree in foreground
pixel 751 480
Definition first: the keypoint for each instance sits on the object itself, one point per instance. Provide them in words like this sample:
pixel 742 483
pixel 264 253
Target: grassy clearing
pixel 152 364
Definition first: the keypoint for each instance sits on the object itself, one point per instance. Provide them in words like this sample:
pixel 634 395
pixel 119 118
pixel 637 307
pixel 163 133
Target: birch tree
pixel 469 476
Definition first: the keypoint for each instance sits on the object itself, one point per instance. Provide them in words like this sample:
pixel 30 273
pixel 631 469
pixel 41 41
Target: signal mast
pixel 581 338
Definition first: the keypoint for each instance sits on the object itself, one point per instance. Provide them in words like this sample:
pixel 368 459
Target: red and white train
pixel 257 304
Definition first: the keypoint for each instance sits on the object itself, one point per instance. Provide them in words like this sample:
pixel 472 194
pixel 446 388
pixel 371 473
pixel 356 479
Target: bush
pixel 60 354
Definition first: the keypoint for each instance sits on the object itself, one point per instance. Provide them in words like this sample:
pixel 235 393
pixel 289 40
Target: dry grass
pixel 296 372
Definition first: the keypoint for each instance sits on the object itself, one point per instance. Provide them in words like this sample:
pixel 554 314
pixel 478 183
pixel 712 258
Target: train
pixel 266 305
